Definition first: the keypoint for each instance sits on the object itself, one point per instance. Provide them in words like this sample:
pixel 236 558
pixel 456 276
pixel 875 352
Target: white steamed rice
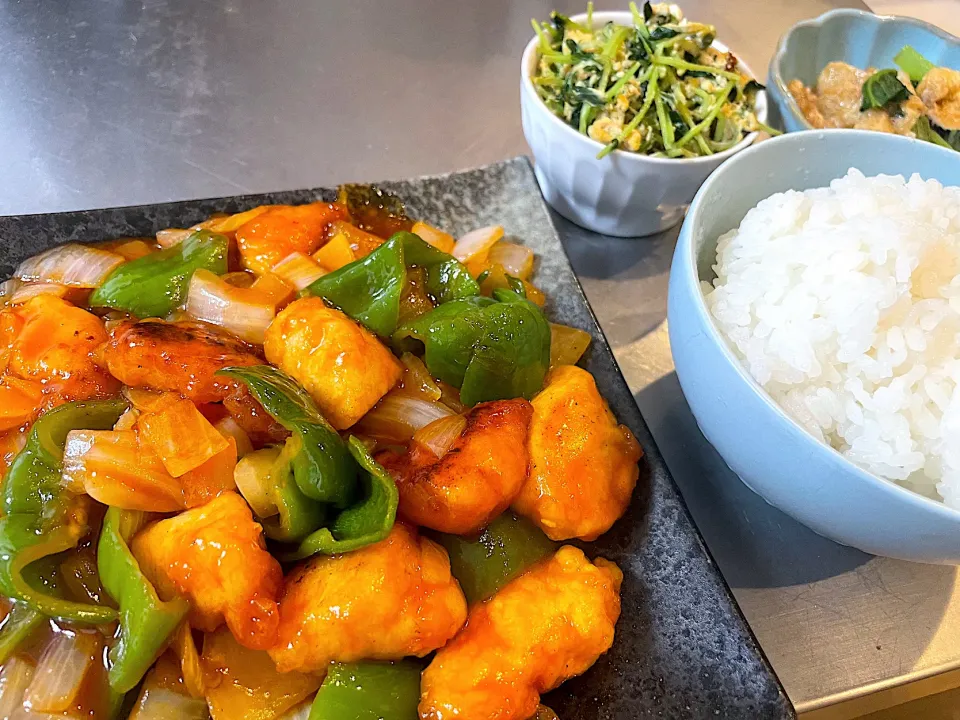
pixel 844 304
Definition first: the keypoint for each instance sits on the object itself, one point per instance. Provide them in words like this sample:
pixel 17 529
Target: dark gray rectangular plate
pixel 682 648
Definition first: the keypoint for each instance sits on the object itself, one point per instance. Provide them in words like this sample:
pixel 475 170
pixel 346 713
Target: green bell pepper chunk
pixel 369 289
pixel 447 278
pixel 157 284
pixel 298 515
pixel 36 522
pixel 492 349
pixel 508 546
pixel 19 624
pixel 324 470
pixel 146 622
pixel 365 523
pixel 369 691
pixel 448 335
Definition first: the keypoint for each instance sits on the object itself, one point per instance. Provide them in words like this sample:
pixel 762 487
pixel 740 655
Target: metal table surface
pixel 113 103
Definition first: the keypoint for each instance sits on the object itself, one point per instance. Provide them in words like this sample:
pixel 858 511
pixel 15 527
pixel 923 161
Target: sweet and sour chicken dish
pixel 316 461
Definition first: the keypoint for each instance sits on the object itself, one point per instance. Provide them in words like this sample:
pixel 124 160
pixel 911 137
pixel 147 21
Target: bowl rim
pixel 780 82
pixel 624 17
pixel 688 255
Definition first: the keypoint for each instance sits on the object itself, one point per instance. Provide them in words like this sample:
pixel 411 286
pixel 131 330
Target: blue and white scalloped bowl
pixel 858 38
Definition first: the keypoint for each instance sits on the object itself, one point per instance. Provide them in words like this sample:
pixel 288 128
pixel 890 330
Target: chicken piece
pixel 273 235
pixel 344 367
pixel 243 684
pixel 806 99
pixel 475 481
pixel 940 92
pixel 583 466
pixel 542 628
pixel 178 357
pixel 875 119
pixel 382 602
pixel 253 419
pixel 49 341
pixel 215 556
pixel 839 94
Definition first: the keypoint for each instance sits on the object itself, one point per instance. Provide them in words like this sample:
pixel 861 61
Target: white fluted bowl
pixel 624 194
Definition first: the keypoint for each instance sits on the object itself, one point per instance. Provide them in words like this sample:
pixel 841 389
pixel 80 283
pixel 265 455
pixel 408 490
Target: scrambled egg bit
pixel 658 87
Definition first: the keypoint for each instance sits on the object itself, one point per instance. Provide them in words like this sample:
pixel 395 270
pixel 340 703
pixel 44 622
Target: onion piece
pixel 567 344
pixel 253 476
pixel 15 678
pixel 185 648
pixel 173 236
pixel 335 253
pixel 71 264
pixel 181 436
pixel 114 469
pixel 160 703
pixel 230 428
pixel 398 416
pixel 60 672
pixel 232 223
pixel 472 249
pixel 8 287
pixel 237 310
pixel 299 270
pixel 149 400
pixel 517 260
pixel 240 279
pixel 128 420
pixel 417 380
pixel 131 250
pixel 26 291
pixel 274 289
pixel 440 435
pixel 298 712
pixel 433 236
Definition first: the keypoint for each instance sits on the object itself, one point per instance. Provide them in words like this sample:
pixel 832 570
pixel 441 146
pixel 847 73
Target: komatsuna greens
pixel 657 87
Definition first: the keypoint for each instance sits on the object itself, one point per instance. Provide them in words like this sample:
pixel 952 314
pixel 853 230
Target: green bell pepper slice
pixel 369 289
pixel 447 278
pixel 369 691
pixel 146 622
pixel 492 349
pixel 508 546
pixel 19 624
pixel 37 522
pixel 157 284
pixel 364 523
pixel 324 469
pixel 298 515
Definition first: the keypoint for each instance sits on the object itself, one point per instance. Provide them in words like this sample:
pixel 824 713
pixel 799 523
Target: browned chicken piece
pixel 215 556
pixel 178 357
pixel 835 103
pixel 839 94
pixel 583 465
pixel 253 419
pixel 51 343
pixel 544 627
pixel 475 481
pixel 285 229
pixel 383 602
pixel 940 92
pixel 807 101
pixel 344 367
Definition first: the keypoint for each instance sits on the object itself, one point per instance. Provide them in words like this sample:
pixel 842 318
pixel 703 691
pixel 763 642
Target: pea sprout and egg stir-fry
pixel 299 461
pixel 656 88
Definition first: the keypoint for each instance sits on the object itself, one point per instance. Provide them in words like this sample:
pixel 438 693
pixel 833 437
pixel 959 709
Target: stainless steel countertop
pixel 116 103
